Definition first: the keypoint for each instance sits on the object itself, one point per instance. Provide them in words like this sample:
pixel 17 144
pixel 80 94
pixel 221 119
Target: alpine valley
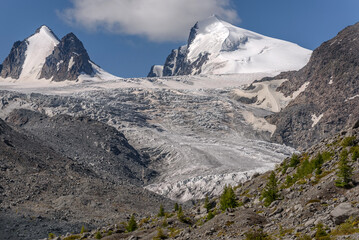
pixel 82 147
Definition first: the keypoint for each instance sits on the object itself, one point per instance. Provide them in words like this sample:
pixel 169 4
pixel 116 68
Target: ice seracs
pixel 217 47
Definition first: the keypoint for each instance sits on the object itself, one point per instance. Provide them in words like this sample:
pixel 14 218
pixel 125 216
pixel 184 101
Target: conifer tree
pixel 345 172
pixel 161 212
pixel 228 198
pixel 176 207
pixel 207 204
pixel 270 192
pixel 132 225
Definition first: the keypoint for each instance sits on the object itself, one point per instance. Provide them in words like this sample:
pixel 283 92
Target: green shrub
pixel 160 235
pixel 83 230
pixel 270 192
pixel 228 198
pixel 72 237
pixel 182 217
pixel 345 172
pixel 257 235
pixel 176 207
pixel 210 215
pixel 132 225
pixel 348 141
pixel 320 233
pixel 346 228
pixel 98 235
pixel 51 236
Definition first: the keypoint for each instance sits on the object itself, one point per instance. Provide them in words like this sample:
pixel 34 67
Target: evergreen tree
pixel 270 192
pixel 228 198
pixel 294 161
pixel 176 207
pixel 207 204
pixel 161 212
pixel 345 172
pixel 132 225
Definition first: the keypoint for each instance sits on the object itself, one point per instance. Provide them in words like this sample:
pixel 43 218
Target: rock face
pixel 68 60
pixel 12 65
pixel 331 98
pixel 156 71
pixel 217 47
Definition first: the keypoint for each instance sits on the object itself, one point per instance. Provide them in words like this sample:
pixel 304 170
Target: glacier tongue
pixel 191 129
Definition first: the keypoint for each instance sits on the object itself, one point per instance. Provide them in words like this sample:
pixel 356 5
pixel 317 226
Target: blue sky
pixel 126 39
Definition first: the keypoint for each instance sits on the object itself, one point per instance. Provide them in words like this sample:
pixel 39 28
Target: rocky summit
pixel 68 60
pixel 44 56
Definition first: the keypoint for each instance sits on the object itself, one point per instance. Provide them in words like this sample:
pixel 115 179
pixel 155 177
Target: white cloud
pixel 158 20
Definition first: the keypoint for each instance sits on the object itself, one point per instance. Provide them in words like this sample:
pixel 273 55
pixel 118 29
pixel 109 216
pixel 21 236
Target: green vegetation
pixel 320 233
pixel 348 141
pixel 98 235
pixel 306 168
pixel 161 213
pixel 294 161
pixel 182 217
pixel 355 153
pixel 350 226
pixel 228 198
pixel 257 235
pixel 72 237
pixel 83 230
pixel 51 236
pixel 270 192
pixel 210 215
pixel 207 204
pixel 160 235
pixel 176 207
pixel 345 172
pixel 132 225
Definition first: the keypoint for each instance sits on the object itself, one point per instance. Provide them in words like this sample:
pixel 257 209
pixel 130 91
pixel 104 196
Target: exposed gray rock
pixel 332 93
pixel 12 65
pixel 68 60
pixel 342 212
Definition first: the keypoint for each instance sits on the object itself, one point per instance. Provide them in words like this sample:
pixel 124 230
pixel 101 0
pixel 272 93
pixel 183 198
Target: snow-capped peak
pixel 217 47
pixel 39 46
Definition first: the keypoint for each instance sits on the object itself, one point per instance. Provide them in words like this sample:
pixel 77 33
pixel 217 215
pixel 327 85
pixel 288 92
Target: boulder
pixel 342 212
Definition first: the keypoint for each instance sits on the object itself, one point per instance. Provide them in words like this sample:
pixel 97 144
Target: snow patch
pixel 300 90
pixel 351 98
pixel 71 63
pixel 316 119
pixel 58 65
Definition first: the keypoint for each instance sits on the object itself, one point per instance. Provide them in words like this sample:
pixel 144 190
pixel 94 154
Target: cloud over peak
pixel 158 20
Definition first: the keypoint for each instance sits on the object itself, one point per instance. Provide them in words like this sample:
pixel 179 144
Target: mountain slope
pixel 43 55
pixel 330 100
pixel 217 47
pixel 43 190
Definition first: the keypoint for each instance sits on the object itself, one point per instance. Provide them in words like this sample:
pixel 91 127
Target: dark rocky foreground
pixel 46 186
pixel 333 92
pixel 311 206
